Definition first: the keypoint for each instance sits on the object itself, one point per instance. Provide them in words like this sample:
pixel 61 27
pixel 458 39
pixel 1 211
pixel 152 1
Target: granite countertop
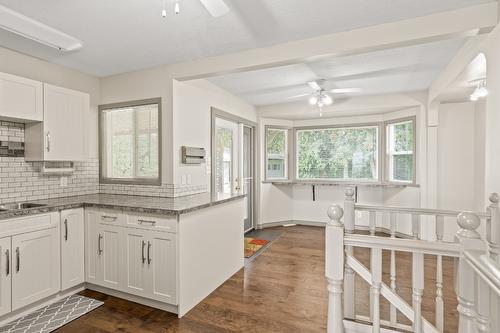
pixel 130 203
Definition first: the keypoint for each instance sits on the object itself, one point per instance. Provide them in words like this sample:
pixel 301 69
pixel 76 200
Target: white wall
pixel 193 101
pixel 22 65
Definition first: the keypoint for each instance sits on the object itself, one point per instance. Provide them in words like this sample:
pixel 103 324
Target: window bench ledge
pixel 347 184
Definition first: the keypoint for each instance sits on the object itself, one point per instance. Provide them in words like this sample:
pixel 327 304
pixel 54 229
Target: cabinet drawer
pixel 112 217
pixel 156 223
pixel 27 224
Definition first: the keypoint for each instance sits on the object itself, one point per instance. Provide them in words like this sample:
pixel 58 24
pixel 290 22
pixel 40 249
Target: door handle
pixel 146 221
pixel 99 250
pixel 143 256
pixel 7 262
pixel 107 217
pixel 149 256
pixel 48 141
pixel 18 259
pixel 66 229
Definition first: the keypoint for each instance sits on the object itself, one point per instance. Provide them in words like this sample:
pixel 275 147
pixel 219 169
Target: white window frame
pixel 286 157
pixel 102 141
pixel 380 143
pixel 389 153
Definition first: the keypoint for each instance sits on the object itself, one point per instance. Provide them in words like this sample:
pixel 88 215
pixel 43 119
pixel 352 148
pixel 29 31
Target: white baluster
pixel 439 294
pixel 349 278
pixel 334 268
pixel 418 288
pixel 376 267
pixel 415 226
pixel 483 306
pixel 373 222
pixel 493 227
pixel 468 238
pixel 393 312
pixel 439 276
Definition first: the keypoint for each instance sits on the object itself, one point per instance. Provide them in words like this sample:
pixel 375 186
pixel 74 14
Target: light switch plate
pixel 183 180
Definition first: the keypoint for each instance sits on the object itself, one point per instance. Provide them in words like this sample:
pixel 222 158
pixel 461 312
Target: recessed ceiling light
pixel 37 31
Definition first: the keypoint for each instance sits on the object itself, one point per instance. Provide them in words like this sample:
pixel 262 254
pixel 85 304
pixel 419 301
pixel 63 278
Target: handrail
pixel 485 267
pixel 405 245
pixel 420 211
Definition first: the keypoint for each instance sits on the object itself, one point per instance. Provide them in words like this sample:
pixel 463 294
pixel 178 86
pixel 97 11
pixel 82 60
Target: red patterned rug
pixel 253 245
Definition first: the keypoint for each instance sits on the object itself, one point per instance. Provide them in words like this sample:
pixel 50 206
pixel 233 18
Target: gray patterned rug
pixel 53 316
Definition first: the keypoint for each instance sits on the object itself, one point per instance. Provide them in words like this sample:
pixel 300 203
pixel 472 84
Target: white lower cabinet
pixel 135 260
pixel 36 266
pixel 72 248
pixel 5 276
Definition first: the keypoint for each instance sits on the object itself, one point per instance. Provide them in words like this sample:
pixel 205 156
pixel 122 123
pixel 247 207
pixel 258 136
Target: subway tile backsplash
pixel 24 181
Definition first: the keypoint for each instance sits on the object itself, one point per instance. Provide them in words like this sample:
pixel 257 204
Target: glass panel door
pixel 226 156
pixel 247 175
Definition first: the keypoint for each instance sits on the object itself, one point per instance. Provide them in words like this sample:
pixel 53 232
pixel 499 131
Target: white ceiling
pixel 126 35
pixel 398 70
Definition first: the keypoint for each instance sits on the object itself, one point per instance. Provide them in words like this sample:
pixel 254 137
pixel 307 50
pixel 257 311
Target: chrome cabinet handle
pixel 99 250
pixel 149 256
pixel 143 256
pixel 66 229
pixel 146 221
pixel 18 259
pixel 48 141
pixel 7 262
pixel 113 218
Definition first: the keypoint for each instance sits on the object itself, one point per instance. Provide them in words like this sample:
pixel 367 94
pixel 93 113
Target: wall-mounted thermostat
pixel 193 155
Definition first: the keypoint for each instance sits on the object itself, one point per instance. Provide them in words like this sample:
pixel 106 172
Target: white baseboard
pixel 14 315
pixel 323 224
pixel 133 298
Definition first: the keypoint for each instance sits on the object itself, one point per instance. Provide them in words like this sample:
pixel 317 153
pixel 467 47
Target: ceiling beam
pixel 468 21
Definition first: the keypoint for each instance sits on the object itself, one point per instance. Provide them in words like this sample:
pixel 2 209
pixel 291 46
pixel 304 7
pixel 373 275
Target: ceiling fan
pixel 322 96
pixel 216 8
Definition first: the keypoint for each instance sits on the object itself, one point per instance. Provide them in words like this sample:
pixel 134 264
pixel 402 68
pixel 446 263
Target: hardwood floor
pixel 282 290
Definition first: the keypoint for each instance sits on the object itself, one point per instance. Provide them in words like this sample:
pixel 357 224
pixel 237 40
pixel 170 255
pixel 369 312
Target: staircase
pixel 476 275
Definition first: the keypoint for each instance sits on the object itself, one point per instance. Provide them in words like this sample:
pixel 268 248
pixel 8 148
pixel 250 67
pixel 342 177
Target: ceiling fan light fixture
pixel 313 100
pixel 177 8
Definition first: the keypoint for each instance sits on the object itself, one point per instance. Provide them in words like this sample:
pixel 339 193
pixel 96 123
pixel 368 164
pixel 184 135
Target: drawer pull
pixel 18 259
pixel 99 250
pixel 66 229
pixel 149 256
pixel 143 256
pixel 107 217
pixel 146 221
pixel 7 262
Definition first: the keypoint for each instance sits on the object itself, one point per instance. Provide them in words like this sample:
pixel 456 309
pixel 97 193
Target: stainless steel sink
pixel 19 205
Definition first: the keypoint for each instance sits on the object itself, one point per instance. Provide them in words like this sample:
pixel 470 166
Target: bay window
pixel 338 153
pixel 276 153
pixel 400 138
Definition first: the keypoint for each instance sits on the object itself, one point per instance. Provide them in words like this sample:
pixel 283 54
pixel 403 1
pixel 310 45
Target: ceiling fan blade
pixel 314 85
pixel 216 8
pixel 298 96
pixel 345 90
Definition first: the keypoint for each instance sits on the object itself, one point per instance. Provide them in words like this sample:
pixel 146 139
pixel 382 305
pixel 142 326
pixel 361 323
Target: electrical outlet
pixel 183 180
pixel 64 181
pixel 189 179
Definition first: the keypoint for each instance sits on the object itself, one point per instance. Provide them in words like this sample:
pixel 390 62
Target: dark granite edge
pixel 125 207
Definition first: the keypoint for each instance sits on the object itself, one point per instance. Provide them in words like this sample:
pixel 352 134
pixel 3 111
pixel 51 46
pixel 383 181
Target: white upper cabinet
pixel 21 99
pixel 62 134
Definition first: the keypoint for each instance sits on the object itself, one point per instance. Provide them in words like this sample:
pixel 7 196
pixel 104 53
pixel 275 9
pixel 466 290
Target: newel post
pixel 493 227
pixel 469 239
pixel 334 268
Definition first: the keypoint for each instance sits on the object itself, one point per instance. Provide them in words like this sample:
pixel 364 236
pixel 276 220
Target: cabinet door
pixel 20 98
pixel 36 269
pixel 72 248
pixel 136 274
pixel 162 258
pixel 65 122
pixel 110 247
pixel 92 238
pixel 5 276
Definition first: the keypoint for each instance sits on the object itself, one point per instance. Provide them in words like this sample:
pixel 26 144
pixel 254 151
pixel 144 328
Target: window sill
pixel 333 183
